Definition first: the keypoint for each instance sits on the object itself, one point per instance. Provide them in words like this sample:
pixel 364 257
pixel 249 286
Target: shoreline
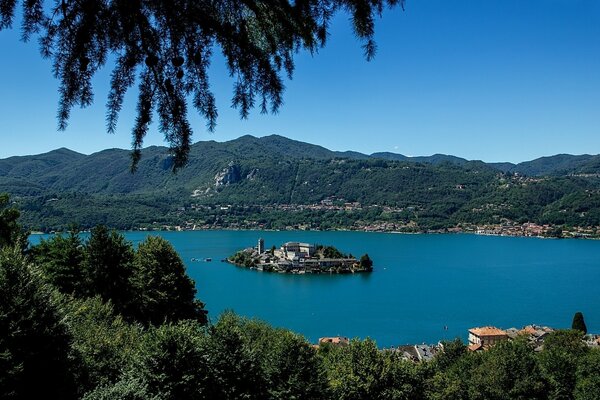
pixel 395 232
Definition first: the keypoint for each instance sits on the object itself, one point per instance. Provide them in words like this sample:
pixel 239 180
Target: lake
pixel 421 283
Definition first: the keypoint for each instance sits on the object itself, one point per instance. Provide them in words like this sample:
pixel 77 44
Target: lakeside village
pixel 479 339
pixel 402 224
pixel 300 258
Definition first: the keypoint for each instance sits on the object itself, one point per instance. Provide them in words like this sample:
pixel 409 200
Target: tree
pixel 562 352
pixel 356 371
pixel 236 361
pixel 588 379
pixel 163 291
pixel 289 364
pixel 453 351
pixel 61 260
pixel 11 233
pixel 108 267
pixel 169 46
pixel 366 262
pixel 103 344
pixel 34 341
pixel 174 362
pixel 508 370
pixel 579 323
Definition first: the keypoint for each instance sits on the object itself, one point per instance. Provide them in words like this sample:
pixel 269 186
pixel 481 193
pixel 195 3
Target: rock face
pixel 252 174
pixel 229 175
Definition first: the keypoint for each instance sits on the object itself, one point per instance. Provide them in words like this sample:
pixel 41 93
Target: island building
pixel 297 257
pixel 484 337
pixel 290 250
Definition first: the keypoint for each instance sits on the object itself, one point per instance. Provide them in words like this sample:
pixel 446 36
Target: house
pixel 484 337
pixel 335 340
pixel 425 352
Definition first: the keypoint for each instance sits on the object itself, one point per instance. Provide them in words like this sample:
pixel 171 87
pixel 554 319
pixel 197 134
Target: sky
pixel 492 80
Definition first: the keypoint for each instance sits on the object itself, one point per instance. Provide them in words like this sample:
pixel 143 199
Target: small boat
pixel 208 259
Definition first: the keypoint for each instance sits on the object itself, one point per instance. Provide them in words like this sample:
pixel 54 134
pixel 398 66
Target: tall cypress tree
pixel 579 323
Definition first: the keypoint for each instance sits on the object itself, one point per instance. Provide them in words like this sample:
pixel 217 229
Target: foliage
pixel 163 291
pixel 108 267
pixel 559 359
pixel 235 361
pixel 34 342
pixel 290 366
pixel 167 48
pixel 588 378
pixel 329 251
pixel 366 262
pixel 508 371
pixel 90 190
pixel 103 343
pixel 61 260
pixel 173 362
pixel 579 323
pixel 355 371
pixel 11 233
pixel 57 345
pixel 242 258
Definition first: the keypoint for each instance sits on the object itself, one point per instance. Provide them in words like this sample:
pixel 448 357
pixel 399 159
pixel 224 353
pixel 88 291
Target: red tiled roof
pixel 475 347
pixel 487 331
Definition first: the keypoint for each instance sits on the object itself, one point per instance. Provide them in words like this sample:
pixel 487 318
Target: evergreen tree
pixel 34 342
pixel 108 267
pixel 163 291
pixel 61 260
pixel 366 262
pixel 579 323
pixel 11 232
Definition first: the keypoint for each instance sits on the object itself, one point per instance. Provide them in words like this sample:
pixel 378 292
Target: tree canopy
pixel 579 322
pixel 167 46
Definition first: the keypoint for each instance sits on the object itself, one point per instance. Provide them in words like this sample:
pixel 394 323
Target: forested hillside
pixel 258 175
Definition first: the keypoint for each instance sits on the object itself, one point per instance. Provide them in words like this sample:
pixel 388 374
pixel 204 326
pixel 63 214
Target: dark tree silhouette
pixel 579 323
pixel 166 46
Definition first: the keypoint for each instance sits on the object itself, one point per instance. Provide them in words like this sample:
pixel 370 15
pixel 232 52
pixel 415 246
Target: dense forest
pixel 98 319
pixel 248 180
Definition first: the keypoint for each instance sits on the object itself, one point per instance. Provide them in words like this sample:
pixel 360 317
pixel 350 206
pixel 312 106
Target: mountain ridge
pixel 257 179
pixel 560 164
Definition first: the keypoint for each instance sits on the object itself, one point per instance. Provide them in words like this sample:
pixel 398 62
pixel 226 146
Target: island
pixel 300 258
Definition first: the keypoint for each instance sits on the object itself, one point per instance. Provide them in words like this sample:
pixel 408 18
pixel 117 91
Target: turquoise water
pixel 421 283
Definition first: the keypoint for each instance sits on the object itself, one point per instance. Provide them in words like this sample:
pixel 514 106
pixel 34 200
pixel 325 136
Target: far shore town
pixel 505 227
pixel 479 339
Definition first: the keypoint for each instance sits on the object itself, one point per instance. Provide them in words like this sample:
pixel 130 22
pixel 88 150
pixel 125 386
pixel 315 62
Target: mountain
pixel 62 186
pixel 434 159
pixel 560 164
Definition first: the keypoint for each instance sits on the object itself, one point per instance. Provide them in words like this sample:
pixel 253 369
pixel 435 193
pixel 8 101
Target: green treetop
pixel 579 323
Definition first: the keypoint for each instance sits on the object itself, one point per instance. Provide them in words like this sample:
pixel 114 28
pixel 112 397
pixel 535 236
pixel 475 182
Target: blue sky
pixel 508 80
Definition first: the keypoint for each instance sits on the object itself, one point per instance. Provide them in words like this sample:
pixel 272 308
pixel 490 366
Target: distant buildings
pixel 296 258
pixel 334 340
